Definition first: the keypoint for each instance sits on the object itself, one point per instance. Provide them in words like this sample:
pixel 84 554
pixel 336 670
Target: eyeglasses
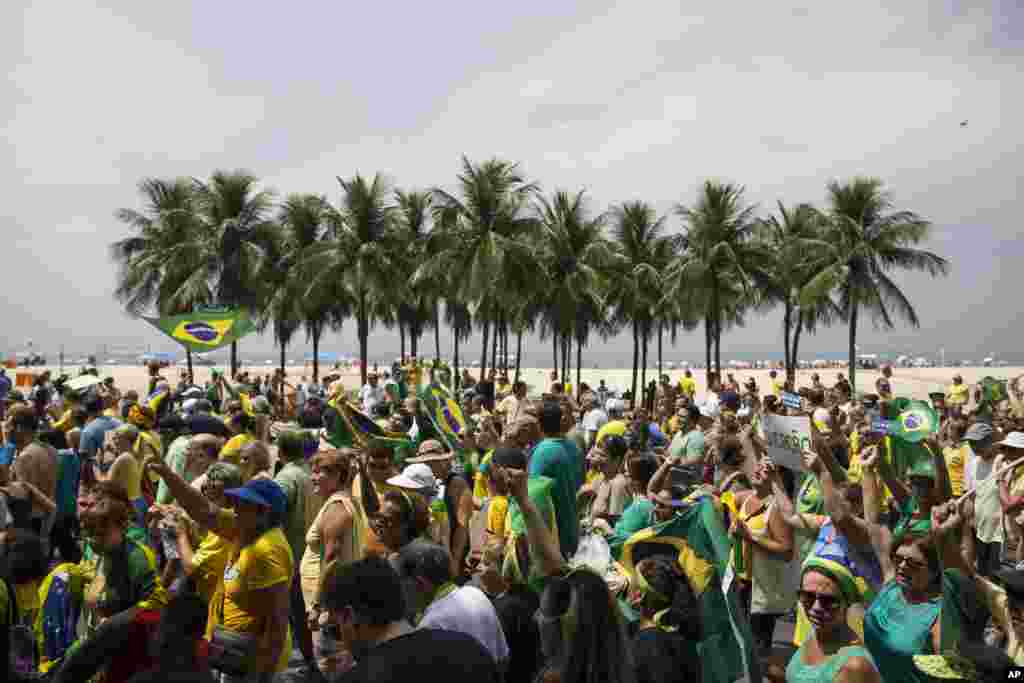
pixel 829 603
pixel 900 560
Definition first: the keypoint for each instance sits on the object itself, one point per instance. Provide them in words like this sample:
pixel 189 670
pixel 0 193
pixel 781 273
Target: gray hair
pixel 226 473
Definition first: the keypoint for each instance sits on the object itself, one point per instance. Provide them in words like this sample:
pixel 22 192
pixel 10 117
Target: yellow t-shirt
pixel 958 394
pixel 496 513
pixel 855 473
pixel 777 388
pixel 208 563
pixel 230 451
pixel 688 386
pixel 480 488
pixel 956 459
pixel 264 563
pixel 612 428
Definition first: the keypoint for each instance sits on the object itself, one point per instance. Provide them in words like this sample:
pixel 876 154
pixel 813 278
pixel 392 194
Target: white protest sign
pixel 787 438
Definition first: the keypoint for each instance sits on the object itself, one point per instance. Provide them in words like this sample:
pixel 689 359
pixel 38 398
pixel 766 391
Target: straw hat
pixel 430 450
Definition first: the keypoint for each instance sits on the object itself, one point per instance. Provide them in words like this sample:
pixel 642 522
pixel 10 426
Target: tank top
pixel 20 510
pixel 354 549
pixel 896 630
pixel 769 573
pixel 824 671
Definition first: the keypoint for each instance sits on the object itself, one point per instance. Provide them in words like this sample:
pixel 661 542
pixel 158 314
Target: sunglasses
pixel 900 560
pixel 829 603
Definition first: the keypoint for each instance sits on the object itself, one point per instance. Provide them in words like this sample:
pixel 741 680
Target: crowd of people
pixel 214 533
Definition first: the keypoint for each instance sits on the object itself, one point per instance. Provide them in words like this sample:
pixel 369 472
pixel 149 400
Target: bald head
pixel 254 458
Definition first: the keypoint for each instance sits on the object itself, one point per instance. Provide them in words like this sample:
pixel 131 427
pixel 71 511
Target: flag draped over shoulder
pixel 444 412
pixel 697 540
pixel 354 429
pixel 205 330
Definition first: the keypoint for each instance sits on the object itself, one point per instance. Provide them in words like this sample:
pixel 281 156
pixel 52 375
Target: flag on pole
pixel 444 412
pixel 915 422
pixel 205 330
pixel 354 429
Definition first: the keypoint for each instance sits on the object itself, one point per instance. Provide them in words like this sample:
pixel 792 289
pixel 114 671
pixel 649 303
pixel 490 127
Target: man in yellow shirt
pixel 776 385
pixel 688 385
pixel 957 455
pixel 958 393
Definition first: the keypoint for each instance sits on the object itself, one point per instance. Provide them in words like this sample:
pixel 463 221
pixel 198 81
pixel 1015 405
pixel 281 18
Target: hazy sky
pixel 630 100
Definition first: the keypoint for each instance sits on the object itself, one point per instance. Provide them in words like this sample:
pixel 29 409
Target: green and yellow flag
pixel 205 330
pixel 697 540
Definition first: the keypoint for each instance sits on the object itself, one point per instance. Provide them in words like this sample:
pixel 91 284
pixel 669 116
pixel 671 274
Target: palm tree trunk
pixel 483 362
pixel 785 338
pixel 494 342
pixel 579 367
pixel 234 359
pixel 718 347
pixel 188 359
pixel 401 338
pixel 566 346
pixel 643 371
pixel 853 349
pixel 364 334
pixel 456 374
pixel 437 332
pixel 636 358
pixel 796 346
pixel 707 348
pixel 519 351
pixel 661 334
pixel 280 393
pixel 554 352
pixel 415 332
pixel 316 353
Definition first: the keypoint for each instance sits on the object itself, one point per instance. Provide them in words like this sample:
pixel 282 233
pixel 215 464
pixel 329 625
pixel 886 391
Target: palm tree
pixel 305 220
pixel 643 253
pixel 714 268
pixel 869 241
pixel 480 230
pixel 157 262
pixel 358 256
pixel 417 307
pixel 236 241
pixel 797 249
pixel 573 253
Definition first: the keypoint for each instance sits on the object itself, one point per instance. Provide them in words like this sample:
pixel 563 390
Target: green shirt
pixel 294 481
pixel 175 459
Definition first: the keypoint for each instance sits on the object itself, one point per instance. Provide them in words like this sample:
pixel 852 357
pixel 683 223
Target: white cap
pixel 614 405
pixel 415 477
pixel 1013 440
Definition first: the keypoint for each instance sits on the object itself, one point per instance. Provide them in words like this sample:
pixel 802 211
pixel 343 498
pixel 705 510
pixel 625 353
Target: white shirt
pixel 468 610
pixel 371 396
pixel 593 421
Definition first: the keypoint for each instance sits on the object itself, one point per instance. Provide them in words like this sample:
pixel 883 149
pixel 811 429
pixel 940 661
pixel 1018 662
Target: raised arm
pixel 543 550
pixel 192 501
pixel 657 482
pixel 806 523
pixel 881 538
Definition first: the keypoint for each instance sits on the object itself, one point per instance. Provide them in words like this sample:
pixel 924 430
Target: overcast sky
pixel 630 100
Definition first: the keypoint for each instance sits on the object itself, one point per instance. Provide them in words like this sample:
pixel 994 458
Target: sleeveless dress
pixel 826 670
pixel 896 630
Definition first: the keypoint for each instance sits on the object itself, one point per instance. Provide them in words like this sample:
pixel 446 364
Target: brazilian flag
pixel 205 330
pixel 354 429
pixel 697 540
pixel 915 422
pixel 444 412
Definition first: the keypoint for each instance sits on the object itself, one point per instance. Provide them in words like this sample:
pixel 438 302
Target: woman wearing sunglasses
pixel 833 652
pixel 903 619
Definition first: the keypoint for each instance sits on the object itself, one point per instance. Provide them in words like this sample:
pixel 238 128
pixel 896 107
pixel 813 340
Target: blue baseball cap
pixel 265 492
